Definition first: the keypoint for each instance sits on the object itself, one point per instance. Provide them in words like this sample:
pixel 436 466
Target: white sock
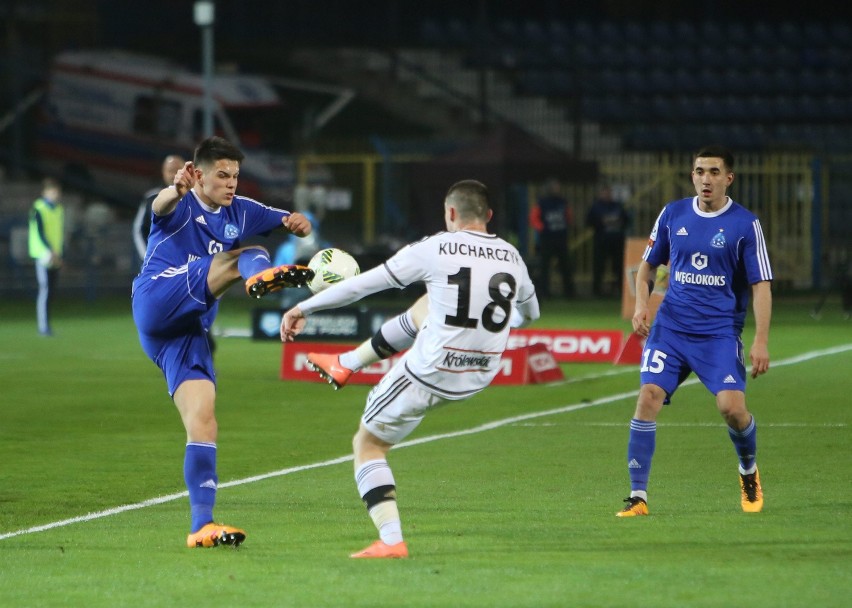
pixel 354 359
pixel 385 515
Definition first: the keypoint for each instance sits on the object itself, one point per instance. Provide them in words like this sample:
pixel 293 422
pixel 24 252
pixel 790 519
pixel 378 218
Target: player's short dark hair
pixel 716 151
pixel 216 148
pixel 470 199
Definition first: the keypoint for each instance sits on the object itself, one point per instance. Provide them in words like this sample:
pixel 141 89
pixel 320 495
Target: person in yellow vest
pixel 47 225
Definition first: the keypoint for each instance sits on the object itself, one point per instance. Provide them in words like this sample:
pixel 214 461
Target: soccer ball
pixel 331 266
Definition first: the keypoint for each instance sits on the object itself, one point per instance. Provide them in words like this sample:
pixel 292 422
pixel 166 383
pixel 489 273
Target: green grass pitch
pixel 518 511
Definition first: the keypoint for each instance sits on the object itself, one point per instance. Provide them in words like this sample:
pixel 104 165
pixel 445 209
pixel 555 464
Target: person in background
pixel 608 219
pixel 717 255
pixel 46 243
pixel 552 218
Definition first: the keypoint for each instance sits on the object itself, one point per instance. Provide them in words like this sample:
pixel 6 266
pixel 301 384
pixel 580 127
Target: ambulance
pixel 110 117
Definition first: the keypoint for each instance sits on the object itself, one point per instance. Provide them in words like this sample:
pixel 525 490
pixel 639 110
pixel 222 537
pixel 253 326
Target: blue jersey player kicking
pixel 193 256
pixel 717 257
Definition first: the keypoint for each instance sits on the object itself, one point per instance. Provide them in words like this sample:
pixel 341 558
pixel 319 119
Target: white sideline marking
pixel 327 463
pixel 695 425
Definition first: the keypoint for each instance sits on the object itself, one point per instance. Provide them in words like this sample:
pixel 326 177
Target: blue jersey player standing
pixel 717 257
pixel 193 256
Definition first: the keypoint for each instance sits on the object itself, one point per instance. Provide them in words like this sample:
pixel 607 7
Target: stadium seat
pixel 534 34
pixel 810 108
pixel 684 34
pixel 784 81
pixel 507 31
pixel 610 55
pixel 734 107
pixel 609 32
pixel 737 33
pixel 815 34
pixel 712 34
pixel 660 32
pixel 809 82
pixel 734 82
pixel 636 33
pixel 635 82
pixel 684 108
pixel 559 32
pixel 586 57
pixel 790 35
pixel 834 109
pixel 840 33
pixel 786 57
pixel 763 35
pixel 458 33
pixel 660 81
pixel 759 56
pixel 612 81
pixel 662 107
pixel 784 108
pixel 756 80
pixel 686 80
pixel 735 56
pixel 635 56
pixel 560 54
pixel 759 108
pixel 660 56
pixel 432 34
pixel 584 33
pixel 837 81
pixel 837 57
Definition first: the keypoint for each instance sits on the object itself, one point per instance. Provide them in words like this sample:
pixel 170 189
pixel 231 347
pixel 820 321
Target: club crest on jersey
pixel 699 261
pixel 718 241
pixel 231 231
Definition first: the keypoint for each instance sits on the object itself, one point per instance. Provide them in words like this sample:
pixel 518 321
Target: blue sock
pixel 745 443
pixel 253 261
pixel 199 472
pixel 640 451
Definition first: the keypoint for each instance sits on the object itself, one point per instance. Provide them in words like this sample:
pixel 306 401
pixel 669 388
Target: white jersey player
pixel 474 281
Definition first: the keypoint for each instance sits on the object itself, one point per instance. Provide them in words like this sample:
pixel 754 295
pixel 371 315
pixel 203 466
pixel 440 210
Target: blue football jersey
pixel 713 260
pixel 192 231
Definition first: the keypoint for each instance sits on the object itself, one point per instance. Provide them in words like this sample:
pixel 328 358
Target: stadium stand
pixel 647 84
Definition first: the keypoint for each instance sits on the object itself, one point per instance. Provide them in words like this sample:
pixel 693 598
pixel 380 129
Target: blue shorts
pixel 669 357
pixel 173 313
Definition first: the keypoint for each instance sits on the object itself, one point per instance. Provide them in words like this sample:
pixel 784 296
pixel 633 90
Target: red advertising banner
pixel 520 366
pixel 571 345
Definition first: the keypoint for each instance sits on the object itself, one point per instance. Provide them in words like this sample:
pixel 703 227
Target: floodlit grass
pixel 518 515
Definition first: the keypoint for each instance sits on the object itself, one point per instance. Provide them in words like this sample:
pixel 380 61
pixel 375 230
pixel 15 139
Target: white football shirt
pixel 473 280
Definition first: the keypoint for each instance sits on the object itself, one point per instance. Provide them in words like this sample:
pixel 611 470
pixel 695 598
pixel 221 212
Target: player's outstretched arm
pixel 292 324
pixel 166 201
pixel 297 224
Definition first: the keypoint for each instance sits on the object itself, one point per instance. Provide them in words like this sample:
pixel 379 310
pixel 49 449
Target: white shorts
pixel 396 405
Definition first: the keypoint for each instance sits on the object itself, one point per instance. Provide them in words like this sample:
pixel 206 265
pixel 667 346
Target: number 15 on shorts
pixel 653 361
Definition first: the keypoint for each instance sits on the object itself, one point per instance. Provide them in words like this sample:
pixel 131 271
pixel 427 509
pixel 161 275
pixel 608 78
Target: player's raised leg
pixel 394 336
pixel 253 265
pixel 263 277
